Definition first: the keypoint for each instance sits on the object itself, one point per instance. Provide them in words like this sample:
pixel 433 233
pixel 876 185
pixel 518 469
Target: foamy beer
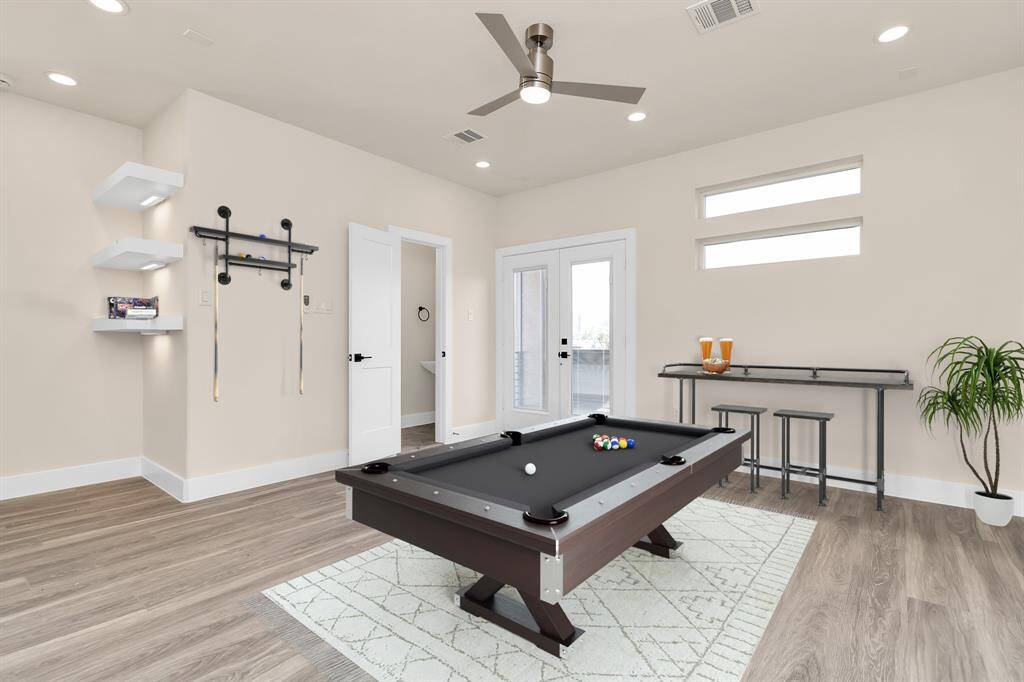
pixel 705 347
pixel 726 347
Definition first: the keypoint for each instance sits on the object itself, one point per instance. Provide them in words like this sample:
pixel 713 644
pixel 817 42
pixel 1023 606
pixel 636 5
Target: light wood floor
pixel 119 581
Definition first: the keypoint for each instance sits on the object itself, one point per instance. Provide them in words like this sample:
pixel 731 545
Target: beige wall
pixel 68 395
pixel 164 357
pixel 418 287
pixel 941 255
pixel 266 170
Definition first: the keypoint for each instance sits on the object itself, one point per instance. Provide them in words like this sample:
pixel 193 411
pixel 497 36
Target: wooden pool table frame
pixel 542 562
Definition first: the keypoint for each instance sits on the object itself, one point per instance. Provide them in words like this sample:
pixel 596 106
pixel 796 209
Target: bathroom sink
pixel 429 365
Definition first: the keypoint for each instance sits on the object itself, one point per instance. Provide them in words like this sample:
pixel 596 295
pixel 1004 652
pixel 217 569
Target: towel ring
pixel 419 314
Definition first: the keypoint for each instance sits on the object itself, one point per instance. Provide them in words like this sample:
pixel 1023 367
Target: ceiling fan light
pixel 535 93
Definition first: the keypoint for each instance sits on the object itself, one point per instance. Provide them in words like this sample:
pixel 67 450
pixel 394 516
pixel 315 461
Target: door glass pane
pixel 591 337
pixel 529 345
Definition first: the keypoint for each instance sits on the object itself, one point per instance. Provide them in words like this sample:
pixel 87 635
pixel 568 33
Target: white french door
pixel 562 329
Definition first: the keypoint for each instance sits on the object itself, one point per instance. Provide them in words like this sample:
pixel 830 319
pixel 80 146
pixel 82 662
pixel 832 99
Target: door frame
pixel 628 236
pixel 443 337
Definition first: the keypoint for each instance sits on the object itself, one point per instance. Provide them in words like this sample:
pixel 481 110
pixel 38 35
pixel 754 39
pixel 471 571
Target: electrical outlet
pixel 205 297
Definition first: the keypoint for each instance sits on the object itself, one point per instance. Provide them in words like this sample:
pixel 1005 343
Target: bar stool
pixel 754 461
pixel 787 468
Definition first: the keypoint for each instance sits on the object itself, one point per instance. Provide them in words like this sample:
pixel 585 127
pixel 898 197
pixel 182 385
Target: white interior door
pixel 529 327
pixel 562 333
pixel 592 332
pixel 374 344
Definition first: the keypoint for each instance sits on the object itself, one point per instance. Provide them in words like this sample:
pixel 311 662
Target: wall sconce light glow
pixel 534 94
pixel 150 201
pixel 637 116
pixel 891 34
pixel 152 265
pixel 61 79
pixel 483 164
pixel 112 6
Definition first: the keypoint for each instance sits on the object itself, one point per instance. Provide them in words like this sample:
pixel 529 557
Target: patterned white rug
pixel 696 616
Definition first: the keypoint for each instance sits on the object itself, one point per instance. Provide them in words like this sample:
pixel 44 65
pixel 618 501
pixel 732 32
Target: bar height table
pixel 878 380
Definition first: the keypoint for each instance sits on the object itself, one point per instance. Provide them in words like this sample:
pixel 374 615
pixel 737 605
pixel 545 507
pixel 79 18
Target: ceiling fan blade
pixel 495 104
pixel 612 93
pixel 502 33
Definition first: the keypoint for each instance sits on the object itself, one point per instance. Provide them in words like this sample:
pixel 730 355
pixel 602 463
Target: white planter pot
pixel 995 511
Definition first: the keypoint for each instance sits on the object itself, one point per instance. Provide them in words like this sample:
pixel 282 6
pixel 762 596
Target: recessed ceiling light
pixel 61 79
pixel 483 164
pixel 112 6
pixel 891 34
pixel 637 116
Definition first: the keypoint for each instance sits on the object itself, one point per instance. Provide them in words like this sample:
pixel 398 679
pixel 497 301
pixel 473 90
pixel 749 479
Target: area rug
pixel 699 615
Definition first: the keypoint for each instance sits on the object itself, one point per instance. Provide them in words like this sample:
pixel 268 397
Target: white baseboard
pixel 907 487
pixel 469 431
pixel 203 487
pixel 168 481
pixel 417 419
pixel 20 485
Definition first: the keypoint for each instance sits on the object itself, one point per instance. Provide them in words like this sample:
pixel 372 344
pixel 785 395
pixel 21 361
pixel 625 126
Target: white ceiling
pixel 394 77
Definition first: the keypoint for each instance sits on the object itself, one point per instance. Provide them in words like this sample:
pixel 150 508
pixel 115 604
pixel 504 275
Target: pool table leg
pixel 545 625
pixel 659 541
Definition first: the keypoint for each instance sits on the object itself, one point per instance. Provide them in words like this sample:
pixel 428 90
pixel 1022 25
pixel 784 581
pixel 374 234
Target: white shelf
pixel 134 183
pixel 133 253
pixel 158 325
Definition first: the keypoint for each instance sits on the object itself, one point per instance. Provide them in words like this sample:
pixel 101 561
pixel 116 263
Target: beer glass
pixel 705 347
pixel 726 347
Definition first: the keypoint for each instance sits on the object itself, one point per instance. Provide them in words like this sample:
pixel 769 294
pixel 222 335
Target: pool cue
pixel 216 322
pixel 302 314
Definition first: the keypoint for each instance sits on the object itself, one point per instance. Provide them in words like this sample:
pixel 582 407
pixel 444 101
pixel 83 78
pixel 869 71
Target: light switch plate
pixel 205 297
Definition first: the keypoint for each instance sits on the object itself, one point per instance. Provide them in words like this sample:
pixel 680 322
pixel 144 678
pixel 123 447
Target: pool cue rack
pixel 222 235
pixel 224 278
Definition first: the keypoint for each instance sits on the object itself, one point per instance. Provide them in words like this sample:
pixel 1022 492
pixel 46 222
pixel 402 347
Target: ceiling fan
pixel 536 69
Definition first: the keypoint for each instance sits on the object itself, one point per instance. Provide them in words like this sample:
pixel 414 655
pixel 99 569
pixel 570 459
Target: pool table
pixel 542 534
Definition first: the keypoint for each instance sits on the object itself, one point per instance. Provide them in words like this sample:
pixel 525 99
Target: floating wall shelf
pixel 158 325
pixel 133 253
pixel 137 187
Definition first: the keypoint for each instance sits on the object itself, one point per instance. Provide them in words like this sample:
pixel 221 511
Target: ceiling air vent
pixel 710 14
pixel 466 136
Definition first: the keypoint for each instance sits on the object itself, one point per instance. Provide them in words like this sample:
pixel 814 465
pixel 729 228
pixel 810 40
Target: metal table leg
pixel 693 401
pixel 880 447
pixel 757 442
pixel 753 450
pixel 821 464
pixel 682 403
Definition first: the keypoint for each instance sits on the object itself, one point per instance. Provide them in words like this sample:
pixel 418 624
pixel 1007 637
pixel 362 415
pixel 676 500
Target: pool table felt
pixel 567 466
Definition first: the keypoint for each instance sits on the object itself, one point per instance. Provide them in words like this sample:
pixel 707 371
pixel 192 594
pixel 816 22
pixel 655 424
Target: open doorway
pixel 419 350
pixel 425 403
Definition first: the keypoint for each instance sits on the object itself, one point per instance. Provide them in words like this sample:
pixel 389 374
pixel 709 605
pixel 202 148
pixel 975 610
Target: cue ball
pixel 530 469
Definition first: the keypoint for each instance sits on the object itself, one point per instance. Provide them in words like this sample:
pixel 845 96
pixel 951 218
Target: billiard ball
pixel 630 443
pixel 530 469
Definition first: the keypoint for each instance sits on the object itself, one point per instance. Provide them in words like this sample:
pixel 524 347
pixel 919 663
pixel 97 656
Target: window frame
pixel 801 173
pixel 845 223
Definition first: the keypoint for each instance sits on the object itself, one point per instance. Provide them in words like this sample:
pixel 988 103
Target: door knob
pixel 563 354
pixel 359 357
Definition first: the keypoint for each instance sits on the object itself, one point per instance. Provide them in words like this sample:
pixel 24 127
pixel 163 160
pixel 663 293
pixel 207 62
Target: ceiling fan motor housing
pixel 539 39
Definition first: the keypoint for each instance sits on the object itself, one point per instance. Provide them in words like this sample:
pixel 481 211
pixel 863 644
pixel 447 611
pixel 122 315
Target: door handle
pixel 359 357
pixel 563 354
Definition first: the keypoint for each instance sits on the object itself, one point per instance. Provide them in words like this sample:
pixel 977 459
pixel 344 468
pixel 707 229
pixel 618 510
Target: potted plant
pixel 980 386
